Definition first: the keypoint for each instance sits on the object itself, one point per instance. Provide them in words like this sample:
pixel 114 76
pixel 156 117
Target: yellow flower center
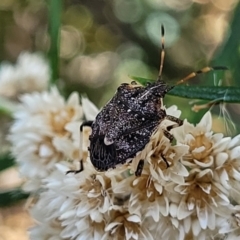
pixel 59 119
pixel 200 147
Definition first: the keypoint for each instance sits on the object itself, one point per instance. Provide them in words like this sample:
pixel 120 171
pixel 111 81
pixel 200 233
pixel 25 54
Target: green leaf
pixel 229 54
pixel 223 94
pixel 4 111
pixel 6 161
pixel 12 196
pixel 7 107
pixel 55 9
pixel 212 93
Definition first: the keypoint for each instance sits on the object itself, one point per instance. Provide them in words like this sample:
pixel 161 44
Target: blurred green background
pixel 102 42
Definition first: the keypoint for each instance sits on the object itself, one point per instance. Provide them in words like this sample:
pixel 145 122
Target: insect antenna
pixel 203 70
pixel 162 54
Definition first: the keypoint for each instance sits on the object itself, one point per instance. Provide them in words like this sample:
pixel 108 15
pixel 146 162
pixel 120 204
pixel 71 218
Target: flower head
pixel 44 132
pixel 220 155
pixel 31 73
pixel 185 190
pixel 123 225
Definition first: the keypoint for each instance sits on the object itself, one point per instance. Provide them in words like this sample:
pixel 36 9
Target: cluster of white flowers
pixel 46 131
pixel 187 190
pixel 31 73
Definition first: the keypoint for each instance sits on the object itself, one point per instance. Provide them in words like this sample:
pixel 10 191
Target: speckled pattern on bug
pixel 126 123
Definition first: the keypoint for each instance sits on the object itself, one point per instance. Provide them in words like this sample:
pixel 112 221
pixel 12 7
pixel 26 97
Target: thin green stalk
pixel 55 9
pixel 229 54
pixel 9 197
pixel 6 161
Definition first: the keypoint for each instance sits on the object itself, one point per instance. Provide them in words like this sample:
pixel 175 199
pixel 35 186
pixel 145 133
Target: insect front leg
pixel 168 135
pixel 178 122
pixel 84 124
pixel 139 168
pixel 165 160
pixel 77 171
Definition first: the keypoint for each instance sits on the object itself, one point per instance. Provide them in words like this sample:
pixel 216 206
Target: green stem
pixel 10 197
pixel 55 9
pixel 6 161
pixel 229 55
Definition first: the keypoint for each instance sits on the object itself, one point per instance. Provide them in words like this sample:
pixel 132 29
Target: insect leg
pixel 168 135
pixel 139 168
pixel 77 171
pixel 178 121
pixel 84 124
pixel 165 160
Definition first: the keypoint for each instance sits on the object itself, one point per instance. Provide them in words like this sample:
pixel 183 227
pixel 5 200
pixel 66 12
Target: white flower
pixel 185 190
pixel 45 131
pixel 148 197
pixel 201 201
pixel 164 159
pixel 168 228
pixel 227 168
pixel 212 151
pixel 213 165
pixel 79 203
pixel 89 109
pixel 124 225
pixel 230 228
pixel 201 140
pixel 31 73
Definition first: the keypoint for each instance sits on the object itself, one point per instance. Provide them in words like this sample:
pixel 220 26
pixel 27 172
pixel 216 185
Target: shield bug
pixel 125 124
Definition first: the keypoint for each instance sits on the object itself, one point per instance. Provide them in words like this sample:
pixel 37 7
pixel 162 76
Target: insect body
pixel 126 123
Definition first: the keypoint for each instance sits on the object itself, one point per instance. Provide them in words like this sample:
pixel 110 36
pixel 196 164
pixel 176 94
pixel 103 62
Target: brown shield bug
pixel 125 124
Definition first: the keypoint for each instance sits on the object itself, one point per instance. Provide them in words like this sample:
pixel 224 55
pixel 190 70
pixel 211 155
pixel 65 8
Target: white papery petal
pixel 134 218
pixel 224 179
pixel 202 214
pixel 111 226
pixel 206 121
pixel 164 206
pixel 173 111
pixel 236 174
pixel 187 224
pixel 221 158
pixel 205 164
pixel 234 142
pixel 211 219
pixel 235 153
pixel 196 228
pixel 221 145
pixel 183 211
pixel 89 109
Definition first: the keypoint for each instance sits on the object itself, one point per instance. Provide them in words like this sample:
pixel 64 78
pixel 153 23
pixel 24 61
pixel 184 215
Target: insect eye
pixel 122 86
pixel 119 89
